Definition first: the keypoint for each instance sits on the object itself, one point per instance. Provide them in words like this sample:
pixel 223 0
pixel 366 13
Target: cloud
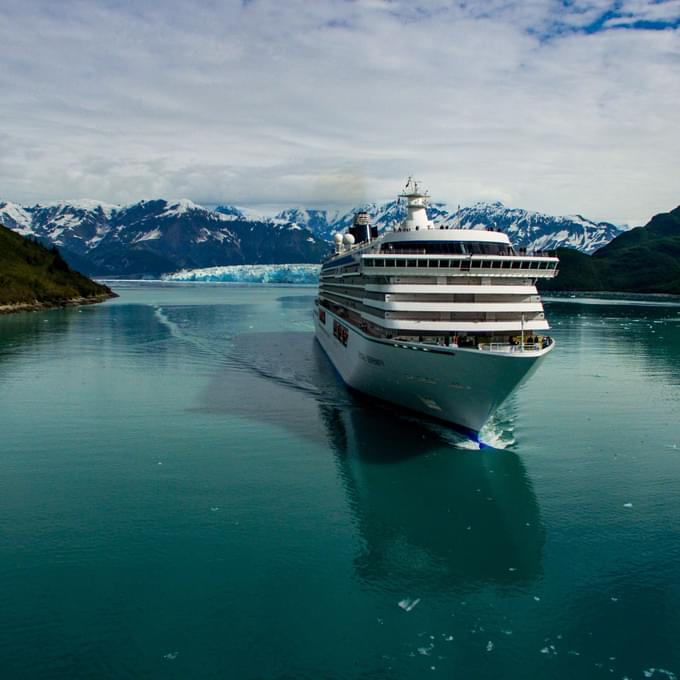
pixel 557 106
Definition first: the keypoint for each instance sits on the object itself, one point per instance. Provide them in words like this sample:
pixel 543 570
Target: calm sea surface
pixel 187 491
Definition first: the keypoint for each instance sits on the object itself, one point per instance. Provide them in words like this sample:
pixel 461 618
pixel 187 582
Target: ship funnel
pixel 361 227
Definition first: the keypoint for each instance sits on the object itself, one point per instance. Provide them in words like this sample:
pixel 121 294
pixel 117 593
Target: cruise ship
pixel 446 322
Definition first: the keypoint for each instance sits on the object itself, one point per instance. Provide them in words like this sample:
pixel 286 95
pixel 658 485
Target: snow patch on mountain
pixel 15 217
pixel 149 236
pixel 84 204
pixel 181 207
pixel 259 273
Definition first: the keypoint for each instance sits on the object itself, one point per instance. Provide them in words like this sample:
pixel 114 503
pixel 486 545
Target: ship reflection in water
pixel 430 513
pixel 430 516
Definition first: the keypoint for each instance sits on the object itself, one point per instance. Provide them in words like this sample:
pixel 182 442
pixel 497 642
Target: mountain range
pixel 526 228
pixel 150 238
pixel 154 237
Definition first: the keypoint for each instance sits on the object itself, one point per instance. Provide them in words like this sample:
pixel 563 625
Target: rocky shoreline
pixel 37 306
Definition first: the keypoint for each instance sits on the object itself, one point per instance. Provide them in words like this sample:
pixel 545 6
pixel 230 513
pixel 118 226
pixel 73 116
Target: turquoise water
pixel 187 491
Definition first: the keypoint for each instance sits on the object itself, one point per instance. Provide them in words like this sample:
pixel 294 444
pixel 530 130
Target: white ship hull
pixel 460 386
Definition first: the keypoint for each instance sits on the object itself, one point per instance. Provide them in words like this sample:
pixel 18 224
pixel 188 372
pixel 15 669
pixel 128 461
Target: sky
pixel 569 106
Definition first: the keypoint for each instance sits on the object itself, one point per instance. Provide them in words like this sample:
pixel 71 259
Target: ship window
pixel 445 263
pixel 412 263
pixel 368 263
pixel 432 263
pixel 497 264
pixel 380 263
pixel 422 263
pixel 476 264
pixel 401 263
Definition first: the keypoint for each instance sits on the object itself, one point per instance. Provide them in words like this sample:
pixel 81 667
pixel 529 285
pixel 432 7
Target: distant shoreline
pixel 37 306
pixel 609 294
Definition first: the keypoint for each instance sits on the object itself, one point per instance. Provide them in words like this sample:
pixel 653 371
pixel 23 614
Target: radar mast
pixel 416 204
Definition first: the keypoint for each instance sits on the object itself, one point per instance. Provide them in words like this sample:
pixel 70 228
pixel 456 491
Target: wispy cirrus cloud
pixel 559 106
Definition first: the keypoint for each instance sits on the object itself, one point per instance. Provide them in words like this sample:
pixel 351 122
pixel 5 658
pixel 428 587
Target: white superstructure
pixel 443 321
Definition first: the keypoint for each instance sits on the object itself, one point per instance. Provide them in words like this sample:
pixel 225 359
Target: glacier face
pixel 249 273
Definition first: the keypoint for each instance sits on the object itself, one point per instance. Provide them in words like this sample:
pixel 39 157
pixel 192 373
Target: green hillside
pixel 643 260
pixel 33 276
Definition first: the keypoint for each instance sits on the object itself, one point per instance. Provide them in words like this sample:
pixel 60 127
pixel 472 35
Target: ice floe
pixel 408 604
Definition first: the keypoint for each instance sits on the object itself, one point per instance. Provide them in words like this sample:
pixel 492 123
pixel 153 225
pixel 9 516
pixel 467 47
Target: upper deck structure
pixel 447 286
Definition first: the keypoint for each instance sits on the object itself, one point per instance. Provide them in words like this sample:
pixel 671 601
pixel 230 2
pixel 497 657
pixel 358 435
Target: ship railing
pixel 510 348
pixel 523 253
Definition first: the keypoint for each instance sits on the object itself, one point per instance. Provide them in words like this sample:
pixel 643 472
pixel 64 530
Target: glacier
pixel 251 273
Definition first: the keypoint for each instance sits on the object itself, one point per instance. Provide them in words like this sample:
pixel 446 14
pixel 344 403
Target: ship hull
pixel 462 387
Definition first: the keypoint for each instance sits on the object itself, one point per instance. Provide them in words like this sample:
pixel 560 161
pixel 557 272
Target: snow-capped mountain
pixel 537 231
pixel 159 236
pixel 526 229
pixel 320 222
pixel 16 217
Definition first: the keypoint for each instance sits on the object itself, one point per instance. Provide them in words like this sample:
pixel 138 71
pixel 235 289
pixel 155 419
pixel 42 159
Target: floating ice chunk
pixel 214 509
pixel 614 599
pixel 170 656
pixel 408 604
pixel 449 638
pixel 537 598
pixel 627 505
pixel 489 646
pixel 425 651
pixel 661 671
pixel 512 569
